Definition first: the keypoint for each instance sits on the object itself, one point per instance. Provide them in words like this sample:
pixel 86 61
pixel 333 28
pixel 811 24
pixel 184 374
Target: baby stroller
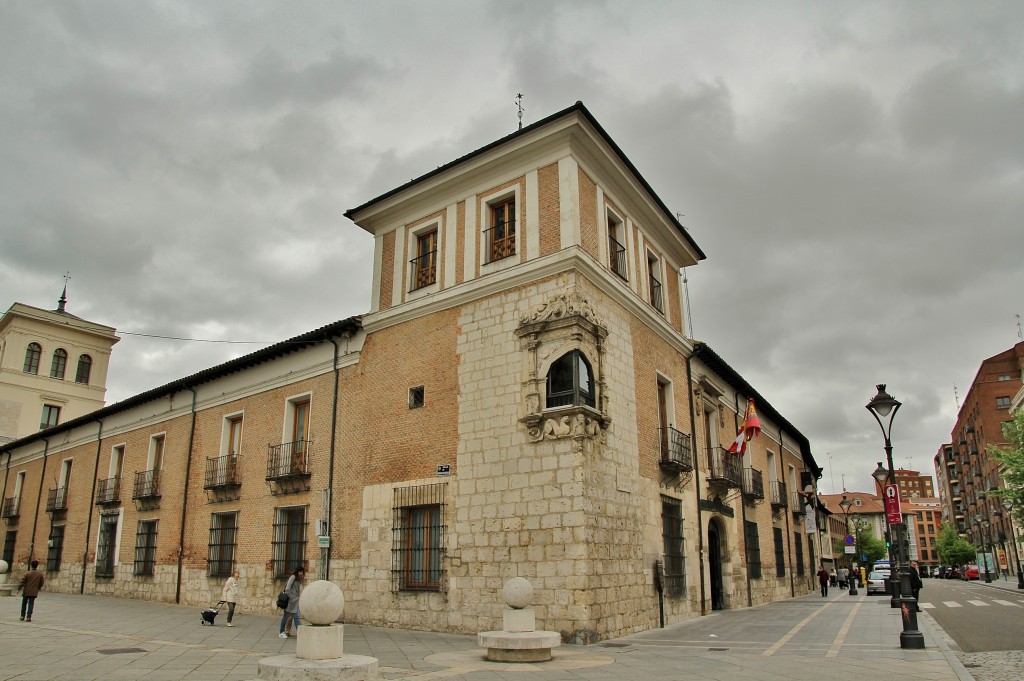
pixel 210 614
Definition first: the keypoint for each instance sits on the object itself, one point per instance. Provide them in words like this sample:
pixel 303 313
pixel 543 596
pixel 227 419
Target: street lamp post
pixel 883 407
pixel 845 504
pixel 881 474
pixel 1008 505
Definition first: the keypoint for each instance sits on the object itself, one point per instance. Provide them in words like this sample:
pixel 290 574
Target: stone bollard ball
pixel 517 592
pixel 321 603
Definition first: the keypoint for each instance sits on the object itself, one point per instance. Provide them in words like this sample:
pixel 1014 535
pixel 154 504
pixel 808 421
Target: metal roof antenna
pixel 63 300
pixel 519 105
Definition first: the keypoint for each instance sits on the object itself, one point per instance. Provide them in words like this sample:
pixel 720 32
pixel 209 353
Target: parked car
pixel 970 572
pixel 952 572
pixel 876 582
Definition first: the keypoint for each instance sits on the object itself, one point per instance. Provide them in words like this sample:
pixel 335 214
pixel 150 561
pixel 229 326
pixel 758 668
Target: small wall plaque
pixel 444 469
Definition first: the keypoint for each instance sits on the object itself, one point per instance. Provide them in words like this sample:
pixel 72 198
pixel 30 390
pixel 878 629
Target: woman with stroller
pixel 291 612
pixel 230 594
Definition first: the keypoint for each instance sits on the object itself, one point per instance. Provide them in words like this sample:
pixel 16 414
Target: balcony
pixel 147 485
pixel 798 504
pixel 676 455
pixel 725 467
pixel 617 258
pixel 288 467
pixel 656 300
pixel 108 492
pixel 779 500
pixel 753 484
pixel 424 270
pixel 10 507
pixel 57 500
pixel 222 471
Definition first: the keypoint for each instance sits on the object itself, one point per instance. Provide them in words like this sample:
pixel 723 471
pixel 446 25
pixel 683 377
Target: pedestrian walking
pixel 291 612
pixel 31 583
pixel 823 577
pixel 230 594
pixel 915 583
pixel 842 575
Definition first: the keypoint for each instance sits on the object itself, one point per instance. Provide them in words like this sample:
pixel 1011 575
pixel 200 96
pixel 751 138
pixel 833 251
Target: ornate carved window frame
pixel 565 323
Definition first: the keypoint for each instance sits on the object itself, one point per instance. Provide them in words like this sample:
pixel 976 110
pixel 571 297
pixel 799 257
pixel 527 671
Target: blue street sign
pixel 864 557
pixel 848 539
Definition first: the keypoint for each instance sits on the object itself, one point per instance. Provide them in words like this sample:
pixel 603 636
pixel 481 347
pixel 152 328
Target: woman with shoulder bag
pixel 291 612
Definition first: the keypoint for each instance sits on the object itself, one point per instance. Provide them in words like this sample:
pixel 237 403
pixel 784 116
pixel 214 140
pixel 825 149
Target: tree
pixel 872 547
pixel 953 549
pixel 1012 459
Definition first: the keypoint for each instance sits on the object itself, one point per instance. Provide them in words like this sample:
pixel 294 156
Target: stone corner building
pixel 521 399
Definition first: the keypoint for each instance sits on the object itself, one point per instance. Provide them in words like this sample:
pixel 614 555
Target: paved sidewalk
pixel 82 638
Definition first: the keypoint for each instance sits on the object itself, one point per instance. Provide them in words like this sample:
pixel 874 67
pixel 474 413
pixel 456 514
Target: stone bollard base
pixel 291 668
pixel 320 643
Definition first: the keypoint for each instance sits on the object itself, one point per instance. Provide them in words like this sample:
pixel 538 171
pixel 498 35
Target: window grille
pixel 145 547
pixel 753 542
pixel 223 535
pixel 9 539
pixel 780 552
pixel 501 237
pixel 617 257
pixel 417 554
pixel 798 546
pixel 55 547
pixel 289 544
pixel 672 541
pixel 105 545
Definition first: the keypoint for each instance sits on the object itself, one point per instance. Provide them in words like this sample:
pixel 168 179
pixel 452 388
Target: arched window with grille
pixel 570 381
pixel 84 369
pixel 59 363
pixel 32 355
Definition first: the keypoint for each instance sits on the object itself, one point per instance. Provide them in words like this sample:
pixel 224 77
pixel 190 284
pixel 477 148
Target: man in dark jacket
pixel 31 583
pixel 915 583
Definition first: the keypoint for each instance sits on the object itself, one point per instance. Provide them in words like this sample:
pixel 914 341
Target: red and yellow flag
pixel 750 429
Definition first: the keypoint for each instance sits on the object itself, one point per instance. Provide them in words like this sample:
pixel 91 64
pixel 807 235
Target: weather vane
pixel 519 105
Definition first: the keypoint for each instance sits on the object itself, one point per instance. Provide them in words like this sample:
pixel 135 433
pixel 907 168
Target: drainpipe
pixel 39 497
pixel 743 508
pixel 92 497
pixel 696 486
pixel 787 511
pixel 325 566
pixel 7 475
pixel 184 498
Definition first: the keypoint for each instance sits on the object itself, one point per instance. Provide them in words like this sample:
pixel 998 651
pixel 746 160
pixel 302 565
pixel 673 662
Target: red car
pixel 970 572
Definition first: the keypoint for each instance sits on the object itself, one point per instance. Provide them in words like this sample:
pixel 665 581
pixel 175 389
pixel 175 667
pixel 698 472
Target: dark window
pixel 653 269
pixel 501 237
pixel 50 417
pixel 424 265
pixel 798 549
pixel 289 545
pixel 145 547
pixel 54 548
pixel 223 534
pixel 416 397
pixel 418 547
pixel 9 546
pixel 32 354
pixel 59 363
pixel 84 369
pixel 105 545
pixel 570 381
pixel 672 543
pixel 616 251
pixel 1003 403
pixel 780 552
pixel 753 542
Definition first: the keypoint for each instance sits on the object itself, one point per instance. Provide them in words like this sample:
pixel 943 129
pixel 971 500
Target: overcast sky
pixel 853 170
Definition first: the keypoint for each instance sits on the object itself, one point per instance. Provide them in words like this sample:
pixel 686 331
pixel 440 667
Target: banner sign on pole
pixel 893 513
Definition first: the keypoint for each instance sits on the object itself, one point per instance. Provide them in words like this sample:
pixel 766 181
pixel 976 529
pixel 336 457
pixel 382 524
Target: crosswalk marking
pixel 951 604
pixel 1016 605
pixel 982 604
pixel 926 606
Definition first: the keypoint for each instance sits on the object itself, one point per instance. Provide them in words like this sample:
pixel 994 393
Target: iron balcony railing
pixel 424 270
pixel 10 507
pixel 108 491
pixel 288 460
pixel 617 258
pixel 725 466
pixel 676 453
pixel 753 483
pixel 147 485
pixel 798 504
pixel 656 295
pixel 57 499
pixel 501 241
pixel 221 471
pixel 779 500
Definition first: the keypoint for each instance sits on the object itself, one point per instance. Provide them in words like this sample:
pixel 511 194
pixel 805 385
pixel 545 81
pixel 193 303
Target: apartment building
pixel 522 399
